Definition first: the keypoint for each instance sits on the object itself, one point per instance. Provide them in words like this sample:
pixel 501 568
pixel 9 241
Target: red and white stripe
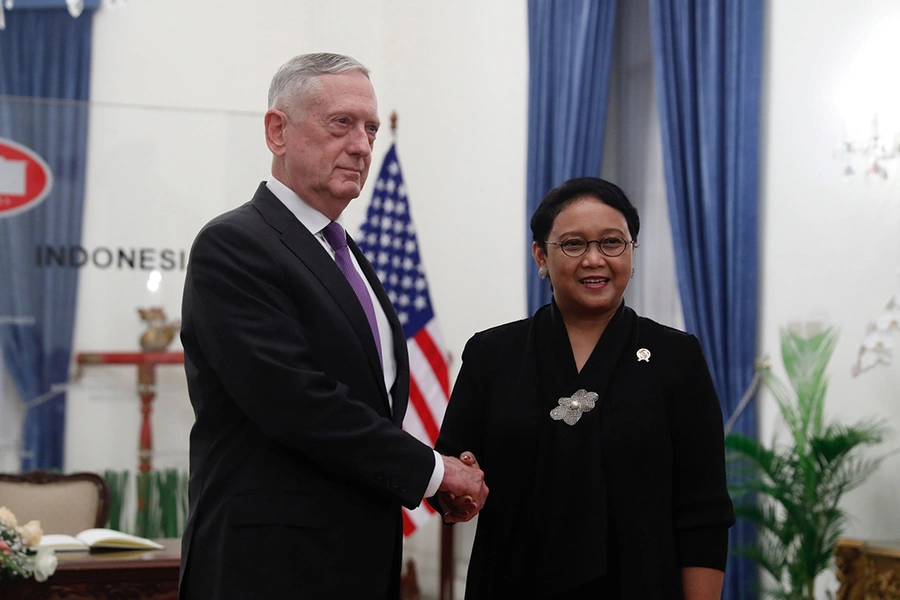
pixel 429 391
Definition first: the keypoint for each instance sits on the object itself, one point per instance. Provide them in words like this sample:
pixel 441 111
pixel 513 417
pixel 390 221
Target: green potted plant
pixel 791 492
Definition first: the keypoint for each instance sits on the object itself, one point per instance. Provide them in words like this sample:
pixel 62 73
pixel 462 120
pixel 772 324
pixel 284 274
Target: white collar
pixel 312 219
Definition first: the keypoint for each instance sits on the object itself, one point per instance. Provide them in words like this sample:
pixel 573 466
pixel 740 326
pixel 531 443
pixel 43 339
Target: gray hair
pixel 297 79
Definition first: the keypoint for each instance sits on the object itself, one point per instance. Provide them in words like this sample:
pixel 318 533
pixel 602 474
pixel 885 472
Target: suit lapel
pixel 310 252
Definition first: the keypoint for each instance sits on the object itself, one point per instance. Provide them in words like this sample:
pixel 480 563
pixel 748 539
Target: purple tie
pixel 337 239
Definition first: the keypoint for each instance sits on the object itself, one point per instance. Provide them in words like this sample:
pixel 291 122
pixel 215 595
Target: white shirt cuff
pixel 436 477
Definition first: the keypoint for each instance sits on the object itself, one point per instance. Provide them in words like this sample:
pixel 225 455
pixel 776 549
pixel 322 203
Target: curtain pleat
pixel 45 60
pixel 570 49
pixel 707 56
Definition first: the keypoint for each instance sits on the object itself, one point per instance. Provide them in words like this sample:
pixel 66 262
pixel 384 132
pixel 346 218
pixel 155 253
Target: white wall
pixel 457 75
pixel 830 248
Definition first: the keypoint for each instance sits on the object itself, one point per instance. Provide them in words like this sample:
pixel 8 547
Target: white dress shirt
pixel 315 222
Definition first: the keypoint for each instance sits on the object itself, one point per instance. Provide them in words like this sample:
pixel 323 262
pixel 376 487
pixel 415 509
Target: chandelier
pixel 868 154
pixel 868 100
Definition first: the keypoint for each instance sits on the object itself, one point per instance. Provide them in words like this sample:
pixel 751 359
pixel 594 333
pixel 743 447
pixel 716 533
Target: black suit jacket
pixel 298 464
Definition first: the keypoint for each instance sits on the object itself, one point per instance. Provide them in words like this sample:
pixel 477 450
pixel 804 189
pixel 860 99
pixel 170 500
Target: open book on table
pixel 104 539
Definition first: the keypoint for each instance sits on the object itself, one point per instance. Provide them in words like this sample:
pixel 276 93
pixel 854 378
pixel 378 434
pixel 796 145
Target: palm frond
pixel 763 557
pixel 791 493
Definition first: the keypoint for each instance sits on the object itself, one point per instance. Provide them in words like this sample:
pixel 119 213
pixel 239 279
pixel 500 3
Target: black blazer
pixel 662 460
pixel 298 465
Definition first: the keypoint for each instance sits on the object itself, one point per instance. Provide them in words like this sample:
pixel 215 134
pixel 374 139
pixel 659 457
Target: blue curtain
pixel 707 57
pixel 570 48
pixel 45 58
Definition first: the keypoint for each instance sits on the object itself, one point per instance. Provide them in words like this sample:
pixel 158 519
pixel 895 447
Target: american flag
pixel 389 241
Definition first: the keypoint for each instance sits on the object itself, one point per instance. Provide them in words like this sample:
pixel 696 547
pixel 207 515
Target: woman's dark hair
pixel 564 194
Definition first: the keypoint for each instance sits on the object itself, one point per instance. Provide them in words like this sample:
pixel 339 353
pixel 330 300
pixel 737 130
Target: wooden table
pixel 106 575
pixel 868 570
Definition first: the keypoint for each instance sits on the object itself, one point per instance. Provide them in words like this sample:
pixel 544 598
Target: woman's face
pixel 591 285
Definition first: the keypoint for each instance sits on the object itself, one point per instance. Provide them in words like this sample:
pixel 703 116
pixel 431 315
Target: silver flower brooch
pixel 571 408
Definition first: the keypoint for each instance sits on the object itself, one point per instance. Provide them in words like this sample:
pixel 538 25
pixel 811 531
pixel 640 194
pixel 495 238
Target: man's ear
pixel 276 122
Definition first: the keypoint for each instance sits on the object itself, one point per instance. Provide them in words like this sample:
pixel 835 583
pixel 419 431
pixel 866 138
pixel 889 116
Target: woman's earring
pixel 632 272
pixel 543 273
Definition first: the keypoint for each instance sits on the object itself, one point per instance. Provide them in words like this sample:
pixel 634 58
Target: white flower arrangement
pixel 878 343
pixel 19 556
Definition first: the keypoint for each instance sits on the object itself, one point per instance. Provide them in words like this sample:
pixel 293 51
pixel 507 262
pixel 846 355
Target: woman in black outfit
pixel 599 431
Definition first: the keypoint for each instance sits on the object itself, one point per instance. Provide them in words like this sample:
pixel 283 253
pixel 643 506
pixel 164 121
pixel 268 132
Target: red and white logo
pixel 25 179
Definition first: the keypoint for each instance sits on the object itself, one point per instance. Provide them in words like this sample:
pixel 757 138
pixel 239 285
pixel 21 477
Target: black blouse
pixel 616 502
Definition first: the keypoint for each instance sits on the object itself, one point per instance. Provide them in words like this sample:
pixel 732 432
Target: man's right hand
pixel 462 492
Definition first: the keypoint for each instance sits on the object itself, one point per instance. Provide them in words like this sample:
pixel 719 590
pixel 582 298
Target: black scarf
pixel 559 536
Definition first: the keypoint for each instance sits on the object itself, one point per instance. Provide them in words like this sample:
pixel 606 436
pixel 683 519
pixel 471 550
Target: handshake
pixel 462 492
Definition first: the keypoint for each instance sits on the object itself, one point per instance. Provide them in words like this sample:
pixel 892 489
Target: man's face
pixel 327 143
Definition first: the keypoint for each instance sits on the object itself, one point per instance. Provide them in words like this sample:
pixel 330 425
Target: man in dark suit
pixel 298 373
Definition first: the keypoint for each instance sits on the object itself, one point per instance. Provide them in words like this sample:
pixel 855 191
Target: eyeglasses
pixel 609 246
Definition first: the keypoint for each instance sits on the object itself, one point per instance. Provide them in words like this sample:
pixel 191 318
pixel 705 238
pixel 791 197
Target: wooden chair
pixel 62 503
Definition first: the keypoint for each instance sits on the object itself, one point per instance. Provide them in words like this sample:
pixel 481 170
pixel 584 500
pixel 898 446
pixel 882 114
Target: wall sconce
pixel 868 154
pixel 868 100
